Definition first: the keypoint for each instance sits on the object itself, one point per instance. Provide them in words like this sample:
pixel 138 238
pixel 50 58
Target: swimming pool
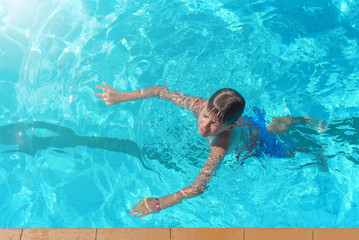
pixel 67 160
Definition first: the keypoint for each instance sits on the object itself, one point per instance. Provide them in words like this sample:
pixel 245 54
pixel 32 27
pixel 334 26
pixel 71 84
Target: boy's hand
pixel 144 207
pixel 110 95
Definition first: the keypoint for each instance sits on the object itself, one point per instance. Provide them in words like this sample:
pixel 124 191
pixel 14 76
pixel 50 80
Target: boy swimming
pixel 216 118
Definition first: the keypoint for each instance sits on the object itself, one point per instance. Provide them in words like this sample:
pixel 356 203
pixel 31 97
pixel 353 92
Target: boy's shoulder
pixel 194 104
pixel 199 103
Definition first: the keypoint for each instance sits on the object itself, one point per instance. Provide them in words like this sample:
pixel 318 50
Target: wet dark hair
pixel 226 105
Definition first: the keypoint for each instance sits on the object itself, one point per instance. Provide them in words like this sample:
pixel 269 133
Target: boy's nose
pixel 206 124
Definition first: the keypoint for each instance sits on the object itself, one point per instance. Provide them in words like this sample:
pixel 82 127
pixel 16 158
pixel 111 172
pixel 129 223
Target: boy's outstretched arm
pixel 111 96
pixel 148 205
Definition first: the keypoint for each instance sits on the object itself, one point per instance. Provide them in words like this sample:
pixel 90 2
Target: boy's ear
pixel 232 126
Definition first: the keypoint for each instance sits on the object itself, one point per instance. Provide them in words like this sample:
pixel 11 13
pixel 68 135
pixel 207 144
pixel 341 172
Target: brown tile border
pixel 278 234
pixel 207 233
pixel 58 234
pixel 336 233
pixel 133 233
pixel 180 233
pixel 10 234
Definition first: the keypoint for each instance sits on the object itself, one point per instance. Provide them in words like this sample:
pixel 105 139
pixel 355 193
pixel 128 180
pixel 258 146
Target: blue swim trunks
pixel 262 142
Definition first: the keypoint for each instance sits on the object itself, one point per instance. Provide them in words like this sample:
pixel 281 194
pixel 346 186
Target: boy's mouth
pixel 202 130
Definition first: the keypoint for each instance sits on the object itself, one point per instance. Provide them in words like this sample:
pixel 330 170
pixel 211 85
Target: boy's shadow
pixel 340 131
pixel 17 134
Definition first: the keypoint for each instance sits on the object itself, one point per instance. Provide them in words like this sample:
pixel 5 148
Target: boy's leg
pixel 283 124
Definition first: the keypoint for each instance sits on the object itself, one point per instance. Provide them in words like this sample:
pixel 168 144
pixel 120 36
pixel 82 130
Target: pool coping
pixel 179 233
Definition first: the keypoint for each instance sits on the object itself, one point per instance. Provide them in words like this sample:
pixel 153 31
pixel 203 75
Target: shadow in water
pixel 340 132
pixel 17 134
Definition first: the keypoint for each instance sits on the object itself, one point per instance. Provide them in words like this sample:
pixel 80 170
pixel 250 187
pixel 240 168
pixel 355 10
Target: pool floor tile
pixel 58 234
pixel 133 233
pixel 10 234
pixel 207 233
pixel 278 234
pixel 336 233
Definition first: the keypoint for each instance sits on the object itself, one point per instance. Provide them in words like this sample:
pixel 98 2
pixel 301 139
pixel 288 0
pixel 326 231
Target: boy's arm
pixel 194 104
pixel 111 96
pixel 217 152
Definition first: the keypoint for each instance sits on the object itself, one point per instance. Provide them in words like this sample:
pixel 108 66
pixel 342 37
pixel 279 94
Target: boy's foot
pixel 316 123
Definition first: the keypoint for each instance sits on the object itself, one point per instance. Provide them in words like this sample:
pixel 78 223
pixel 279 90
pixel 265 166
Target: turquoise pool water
pixel 68 160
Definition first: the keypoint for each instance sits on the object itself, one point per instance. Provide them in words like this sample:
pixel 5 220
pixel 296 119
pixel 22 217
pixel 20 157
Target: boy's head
pixel 220 113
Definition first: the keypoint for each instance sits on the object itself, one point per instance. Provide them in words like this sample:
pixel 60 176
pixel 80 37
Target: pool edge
pixel 180 233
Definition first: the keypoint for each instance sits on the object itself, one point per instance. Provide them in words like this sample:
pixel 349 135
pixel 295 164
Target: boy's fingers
pixel 133 213
pixel 143 215
pixel 101 88
pixel 108 86
pixel 99 94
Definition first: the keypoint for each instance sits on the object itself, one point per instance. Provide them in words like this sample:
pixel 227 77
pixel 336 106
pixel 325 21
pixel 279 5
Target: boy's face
pixel 207 126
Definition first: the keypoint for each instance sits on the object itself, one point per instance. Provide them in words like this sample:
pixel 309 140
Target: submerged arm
pixel 200 183
pixel 148 205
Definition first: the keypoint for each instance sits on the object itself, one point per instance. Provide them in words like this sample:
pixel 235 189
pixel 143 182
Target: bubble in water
pixel 14 157
pixel 125 44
